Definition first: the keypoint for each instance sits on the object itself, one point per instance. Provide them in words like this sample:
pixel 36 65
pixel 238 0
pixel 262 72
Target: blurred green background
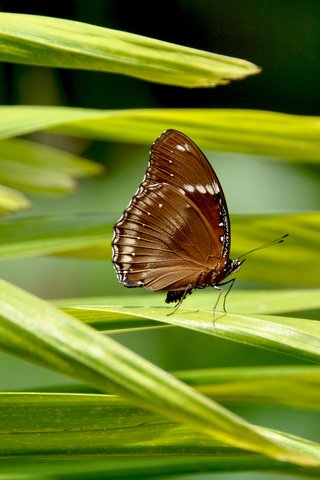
pixel 281 37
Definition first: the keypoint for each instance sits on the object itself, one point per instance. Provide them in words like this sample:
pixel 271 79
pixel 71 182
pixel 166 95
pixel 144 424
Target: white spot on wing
pixel 127 250
pixel 201 188
pixel 189 188
pixel 209 189
pixel 160 205
pixel 216 188
pixel 181 148
pixel 126 259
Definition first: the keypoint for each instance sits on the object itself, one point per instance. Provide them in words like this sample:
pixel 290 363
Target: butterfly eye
pixel 236 265
pixel 177 225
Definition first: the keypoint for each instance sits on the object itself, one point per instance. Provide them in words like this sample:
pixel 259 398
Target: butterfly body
pixel 175 234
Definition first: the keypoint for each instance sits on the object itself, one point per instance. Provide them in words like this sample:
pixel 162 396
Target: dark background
pixel 280 36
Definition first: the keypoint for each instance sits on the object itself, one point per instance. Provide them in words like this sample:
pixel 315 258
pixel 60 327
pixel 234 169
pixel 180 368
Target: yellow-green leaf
pixel 278 135
pixel 36 330
pixel 12 200
pixel 34 424
pixel 289 335
pixel 34 167
pixel 89 236
pixel 57 42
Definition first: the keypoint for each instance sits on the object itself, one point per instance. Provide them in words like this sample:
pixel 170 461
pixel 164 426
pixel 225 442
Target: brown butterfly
pixel 175 234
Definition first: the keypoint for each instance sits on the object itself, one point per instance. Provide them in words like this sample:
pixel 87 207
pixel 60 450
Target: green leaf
pixel 34 167
pixel 291 137
pixel 262 301
pixel 280 264
pixel 291 386
pixel 12 201
pixel 274 134
pixel 141 467
pixel 32 236
pixel 38 331
pixel 20 120
pixel 244 301
pixel 89 236
pixel 56 42
pixel 296 386
pixel 75 425
pixel 291 336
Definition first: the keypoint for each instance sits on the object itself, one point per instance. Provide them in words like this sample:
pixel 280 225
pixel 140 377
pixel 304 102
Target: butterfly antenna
pixel 266 245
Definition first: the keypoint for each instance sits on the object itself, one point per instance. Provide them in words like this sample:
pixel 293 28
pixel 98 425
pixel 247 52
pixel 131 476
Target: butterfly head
pixel 232 266
pixel 235 265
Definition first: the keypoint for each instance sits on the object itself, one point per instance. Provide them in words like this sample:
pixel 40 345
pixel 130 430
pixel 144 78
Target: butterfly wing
pixel 176 159
pixel 177 224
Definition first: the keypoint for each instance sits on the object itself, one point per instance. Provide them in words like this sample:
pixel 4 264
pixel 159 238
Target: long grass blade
pixel 38 331
pixel 278 135
pixel 56 42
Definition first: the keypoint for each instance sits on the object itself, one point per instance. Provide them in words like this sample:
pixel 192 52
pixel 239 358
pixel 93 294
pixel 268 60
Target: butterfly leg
pixel 179 297
pixel 221 290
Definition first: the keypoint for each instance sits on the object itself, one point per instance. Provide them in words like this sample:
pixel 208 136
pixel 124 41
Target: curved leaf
pixel 255 132
pixel 292 336
pixel 11 200
pixel 133 467
pixel 89 236
pixel 96 311
pixel 57 42
pixel 34 167
pixel 293 386
pixel 37 330
pixel 280 264
pixel 32 236
pixel 76 425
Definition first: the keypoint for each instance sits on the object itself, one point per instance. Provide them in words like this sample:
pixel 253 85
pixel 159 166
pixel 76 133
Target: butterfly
pixel 175 234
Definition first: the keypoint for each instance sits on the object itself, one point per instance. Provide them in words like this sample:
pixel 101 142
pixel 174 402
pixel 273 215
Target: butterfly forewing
pixel 176 228
pixel 176 159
